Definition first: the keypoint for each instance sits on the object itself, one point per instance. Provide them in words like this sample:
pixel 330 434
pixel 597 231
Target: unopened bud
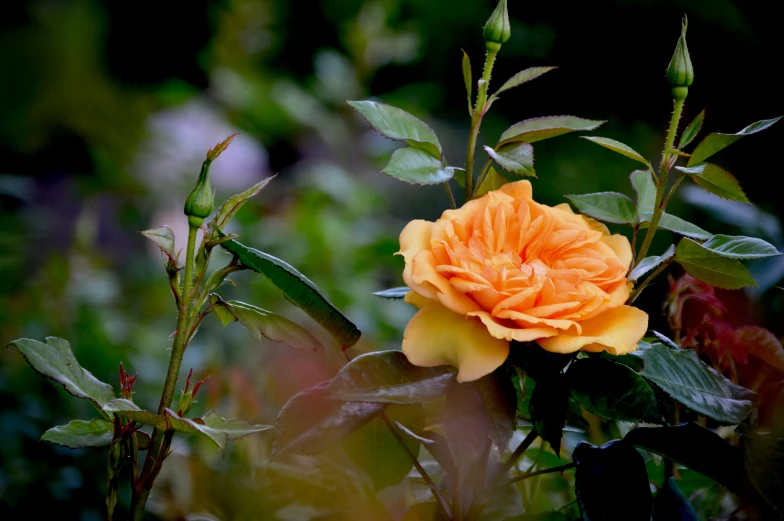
pixel 188 395
pixel 200 202
pixel 497 30
pixel 126 383
pixel 680 72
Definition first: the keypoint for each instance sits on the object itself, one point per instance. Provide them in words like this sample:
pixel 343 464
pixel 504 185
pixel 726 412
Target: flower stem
pixel 450 195
pixel 636 292
pixel 527 475
pixel 476 123
pixel 661 203
pixel 161 440
pixel 519 451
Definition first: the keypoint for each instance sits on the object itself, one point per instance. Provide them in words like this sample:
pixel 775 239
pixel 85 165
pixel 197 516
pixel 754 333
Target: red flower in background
pixel 748 354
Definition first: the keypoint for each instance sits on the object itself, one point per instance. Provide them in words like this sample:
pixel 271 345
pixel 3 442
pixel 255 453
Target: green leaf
pixel 739 247
pixel 537 129
pixel 235 202
pixel 515 158
pixel 79 433
pixel 715 141
pixel 55 360
pixel 388 377
pixel 672 505
pixel 399 125
pixel 716 180
pixel 686 378
pixel 375 450
pixel 129 410
pixel 163 237
pixel 610 207
pixel 492 181
pixel 612 391
pixel 311 422
pixel 500 400
pixel 549 405
pixel 685 228
pixel 764 462
pixel 700 450
pixel 649 263
pixel 617 146
pixel 712 268
pixel 692 130
pixel 299 290
pixel 217 429
pixel 467 428
pixel 220 311
pixel 467 80
pixel 265 324
pixel 644 186
pixel 611 482
pixel 523 77
pixel 415 166
pixel 393 293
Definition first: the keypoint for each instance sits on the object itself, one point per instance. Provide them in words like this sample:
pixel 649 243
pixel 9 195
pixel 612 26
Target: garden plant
pixel 525 324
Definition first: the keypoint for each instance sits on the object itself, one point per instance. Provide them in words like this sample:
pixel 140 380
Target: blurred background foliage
pixel 106 112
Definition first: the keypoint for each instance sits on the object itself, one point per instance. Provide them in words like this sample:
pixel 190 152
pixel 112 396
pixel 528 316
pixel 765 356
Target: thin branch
pixel 518 452
pixel 527 475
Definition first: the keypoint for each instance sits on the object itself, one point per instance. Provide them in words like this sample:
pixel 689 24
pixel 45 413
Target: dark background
pixel 106 110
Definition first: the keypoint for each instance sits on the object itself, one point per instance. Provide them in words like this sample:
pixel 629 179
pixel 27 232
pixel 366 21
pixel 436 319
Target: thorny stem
pixel 664 170
pixel 476 123
pixel 161 440
pixel 450 195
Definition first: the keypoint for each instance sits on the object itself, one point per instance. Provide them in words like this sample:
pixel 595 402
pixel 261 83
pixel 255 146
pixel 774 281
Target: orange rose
pixel 503 268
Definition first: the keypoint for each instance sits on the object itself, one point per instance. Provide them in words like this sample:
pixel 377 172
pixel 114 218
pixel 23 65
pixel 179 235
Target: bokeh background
pixel 107 109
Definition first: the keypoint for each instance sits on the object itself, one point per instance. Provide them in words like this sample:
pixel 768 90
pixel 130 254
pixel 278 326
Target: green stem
pixel 476 123
pixel 636 292
pixel 161 440
pixel 450 195
pixel 483 174
pixel 527 475
pixel 658 208
pixel 518 452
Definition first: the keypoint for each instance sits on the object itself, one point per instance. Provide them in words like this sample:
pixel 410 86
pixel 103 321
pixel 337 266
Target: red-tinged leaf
pixel 763 344
pixel 218 149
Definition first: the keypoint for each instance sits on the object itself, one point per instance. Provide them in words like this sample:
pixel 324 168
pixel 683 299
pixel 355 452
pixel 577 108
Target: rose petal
pixel 437 336
pixel 616 330
pixel 503 332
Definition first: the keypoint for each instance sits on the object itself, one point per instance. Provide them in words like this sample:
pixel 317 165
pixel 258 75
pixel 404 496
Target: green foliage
pixel 682 375
pixel 650 263
pixel 265 324
pixel 56 360
pixel 522 77
pixel 79 434
pixel 311 422
pixel 388 377
pixel 715 142
pixel 611 482
pixel 716 180
pixel 466 64
pixel 709 267
pixel 537 129
pixel 764 462
pixel 610 207
pixel 738 247
pixel 416 166
pixel 549 407
pixel 617 146
pixel 375 450
pixel 612 391
pixel 233 204
pixel 299 290
pixel 692 130
pixel 399 125
pixel 516 158
pixel 163 237
pixel 644 186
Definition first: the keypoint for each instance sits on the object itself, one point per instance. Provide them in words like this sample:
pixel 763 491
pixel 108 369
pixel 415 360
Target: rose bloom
pixel 504 268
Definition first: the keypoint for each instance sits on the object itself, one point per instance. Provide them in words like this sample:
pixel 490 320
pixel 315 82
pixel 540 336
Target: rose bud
pixel 497 31
pixel 680 73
